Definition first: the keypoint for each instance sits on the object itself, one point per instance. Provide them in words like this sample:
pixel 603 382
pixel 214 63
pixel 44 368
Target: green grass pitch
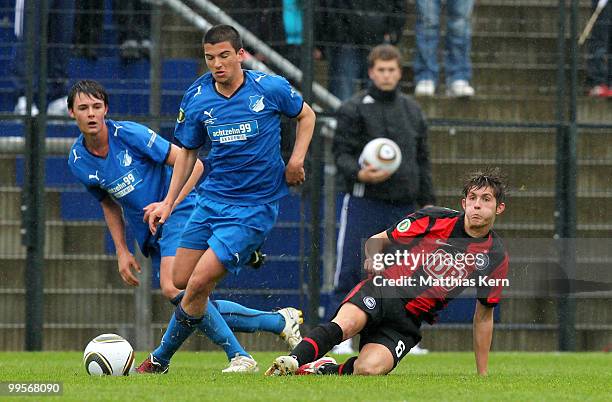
pixel 435 377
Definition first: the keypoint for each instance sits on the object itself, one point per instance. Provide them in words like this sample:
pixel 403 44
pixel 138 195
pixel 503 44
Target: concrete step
pixel 60 238
pixel 87 271
pixel 512 108
pixel 527 175
pixel 11 201
pixel 535 143
pixel 591 210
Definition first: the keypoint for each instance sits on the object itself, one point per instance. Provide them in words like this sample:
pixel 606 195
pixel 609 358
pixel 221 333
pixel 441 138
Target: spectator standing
pixel 374 199
pixel 348 29
pixel 59 41
pixel 457 64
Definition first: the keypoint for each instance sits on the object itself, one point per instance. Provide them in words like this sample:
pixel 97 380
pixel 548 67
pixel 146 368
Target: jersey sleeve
pixel 288 101
pixel 147 143
pixel 490 296
pixel 188 130
pixel 96 192
pixel 409 228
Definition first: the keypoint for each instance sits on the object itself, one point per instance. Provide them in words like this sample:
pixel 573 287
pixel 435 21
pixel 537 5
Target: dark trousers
pixel 599 67
pixel 59 40
pixel 360 218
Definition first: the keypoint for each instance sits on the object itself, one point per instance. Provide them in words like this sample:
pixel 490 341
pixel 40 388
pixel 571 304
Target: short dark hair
pixel 384 52
pixel 87 87
pixel 490 177
pixel 223 33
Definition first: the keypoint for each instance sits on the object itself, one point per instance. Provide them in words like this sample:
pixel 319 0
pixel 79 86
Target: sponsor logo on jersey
pixel 125 184
pixel 256 103
pixel 369 302
pixel 151 139
pixel 233 132
pixel 181 116
pixel 404 226
pixel 125 159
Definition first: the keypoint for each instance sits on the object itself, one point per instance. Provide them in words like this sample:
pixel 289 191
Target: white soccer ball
pixel 108 354
pixel 381 153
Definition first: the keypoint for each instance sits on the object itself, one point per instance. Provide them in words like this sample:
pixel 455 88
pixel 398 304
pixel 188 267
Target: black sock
pixel 177 299
pixel 318 342
pixel 340 369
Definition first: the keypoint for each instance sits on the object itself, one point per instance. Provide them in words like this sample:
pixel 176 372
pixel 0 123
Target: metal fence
pixel 58 281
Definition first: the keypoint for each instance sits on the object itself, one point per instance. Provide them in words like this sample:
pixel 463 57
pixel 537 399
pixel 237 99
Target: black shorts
pixel 389 323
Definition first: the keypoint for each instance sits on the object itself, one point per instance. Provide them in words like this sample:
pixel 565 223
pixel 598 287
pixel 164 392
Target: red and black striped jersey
pixel 441 261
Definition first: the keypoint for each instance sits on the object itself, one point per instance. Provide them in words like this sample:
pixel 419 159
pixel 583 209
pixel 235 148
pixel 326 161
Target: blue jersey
pixel 133 173
pixel 243 132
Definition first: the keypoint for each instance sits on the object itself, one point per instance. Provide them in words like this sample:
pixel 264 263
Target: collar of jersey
pixel 244 80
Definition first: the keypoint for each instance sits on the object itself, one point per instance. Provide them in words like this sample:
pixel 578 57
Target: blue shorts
pixel 233 232
pixel 167 242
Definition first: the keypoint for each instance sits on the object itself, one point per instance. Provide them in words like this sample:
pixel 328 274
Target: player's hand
pixel 294 173
pixel 371 175
pixel 368 266
pixel 156 214
pixel 127 264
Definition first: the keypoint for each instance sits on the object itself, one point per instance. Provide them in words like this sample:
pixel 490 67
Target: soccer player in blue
pixel 127 168
pixel 237 112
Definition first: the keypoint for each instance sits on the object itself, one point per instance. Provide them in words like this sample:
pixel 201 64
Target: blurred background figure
pixel 133 19
pixel 372 199
pixel 348 29
pixel 88 26
pixel 599 66
pixel 59 39
pixel 457 64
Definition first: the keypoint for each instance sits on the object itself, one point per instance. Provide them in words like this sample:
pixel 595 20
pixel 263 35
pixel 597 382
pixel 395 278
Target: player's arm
pixel 198 170
pixel 483 334
pixel 113 215
pixel 184 165
pixel 294 172
pixel 375 245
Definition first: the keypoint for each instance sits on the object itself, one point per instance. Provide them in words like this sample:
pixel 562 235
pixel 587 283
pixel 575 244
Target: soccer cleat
pixel 283 365
pixel 425 88
pixel 152 366
pixel 241 364
pixel 460 89
pixel 291 333
pixel 316 366
pixel 257 259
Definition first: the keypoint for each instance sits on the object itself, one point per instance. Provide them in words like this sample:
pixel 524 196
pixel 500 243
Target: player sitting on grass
pixel 388 308
pixel 126 167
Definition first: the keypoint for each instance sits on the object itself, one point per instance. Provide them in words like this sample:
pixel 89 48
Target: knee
pixel 179 281
pixel 369 368
pixel 168 289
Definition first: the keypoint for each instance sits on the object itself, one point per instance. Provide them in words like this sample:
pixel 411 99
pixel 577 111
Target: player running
pixel 449 251
pixel 237 112
pixel 127 168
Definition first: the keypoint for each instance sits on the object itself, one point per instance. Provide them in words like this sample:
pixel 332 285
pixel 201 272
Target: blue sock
pixel 181 325
pixel 216 329
pixel 244 319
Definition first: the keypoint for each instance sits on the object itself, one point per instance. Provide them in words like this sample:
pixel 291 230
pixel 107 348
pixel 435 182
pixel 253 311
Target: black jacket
pixel 371 114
